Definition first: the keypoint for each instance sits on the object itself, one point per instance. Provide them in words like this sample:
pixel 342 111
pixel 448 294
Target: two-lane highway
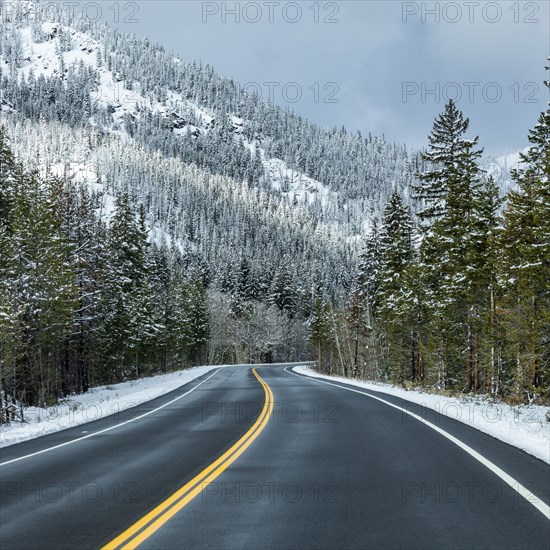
pixel 270 459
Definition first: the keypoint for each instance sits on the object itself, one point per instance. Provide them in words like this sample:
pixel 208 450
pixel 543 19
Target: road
pixel 266 458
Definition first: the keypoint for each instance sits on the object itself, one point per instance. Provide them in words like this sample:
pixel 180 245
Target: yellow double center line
pixel 156 518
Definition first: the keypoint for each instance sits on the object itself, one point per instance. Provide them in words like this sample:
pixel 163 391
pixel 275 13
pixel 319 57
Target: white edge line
pixel 111 427
pixel 516 485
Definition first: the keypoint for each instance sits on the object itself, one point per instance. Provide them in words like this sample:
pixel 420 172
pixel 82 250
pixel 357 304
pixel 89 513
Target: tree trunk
pixel 492 337
pixel 476 364
pixel 356 354
pixel 534 363
pixel 413 356
pixel 469 381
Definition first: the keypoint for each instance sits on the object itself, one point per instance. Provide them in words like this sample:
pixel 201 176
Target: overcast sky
pixel 385 67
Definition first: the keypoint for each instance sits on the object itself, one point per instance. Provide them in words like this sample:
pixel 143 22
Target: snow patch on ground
pixel 522 426
pixel 160 237
pixel 294 184
pixel 96 403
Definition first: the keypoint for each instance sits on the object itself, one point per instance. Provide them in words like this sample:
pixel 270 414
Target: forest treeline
pixel 88 297
pixel 167 240
pixel 456 295
pixel 84 302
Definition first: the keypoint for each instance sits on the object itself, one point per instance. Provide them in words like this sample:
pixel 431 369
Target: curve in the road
pixel 154 520
pixel 331 469
pixel 541 506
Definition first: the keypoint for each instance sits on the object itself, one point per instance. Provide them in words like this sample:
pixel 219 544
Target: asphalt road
pixel 288 463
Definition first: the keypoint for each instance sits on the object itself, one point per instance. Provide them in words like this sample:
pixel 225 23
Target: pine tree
pixel 396 300
pixel 82 228
pixel 198 324
pixel 8 317
pixel 483 261
pixel 526 269
pixel 320 330
pixel 364 302
pixel 129 324
pixel 367 280
pixel 449 190
pixel 448 151
pixel 282 292
pixel 43 295
pixel 7 174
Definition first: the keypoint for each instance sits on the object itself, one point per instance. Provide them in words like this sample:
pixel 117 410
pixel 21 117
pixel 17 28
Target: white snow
pixel 43 58
pixel 96 403
pixel 77 172
pixel 161 237
pixel 523 426
pixel 295 184
pixel 500 167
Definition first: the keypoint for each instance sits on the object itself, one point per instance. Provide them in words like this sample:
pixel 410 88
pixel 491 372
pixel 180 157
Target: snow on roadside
pixel 96 403
pixel 524 426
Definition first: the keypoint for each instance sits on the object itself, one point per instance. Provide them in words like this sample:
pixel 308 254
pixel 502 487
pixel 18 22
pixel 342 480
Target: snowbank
pixel 523 426
pixel 95 404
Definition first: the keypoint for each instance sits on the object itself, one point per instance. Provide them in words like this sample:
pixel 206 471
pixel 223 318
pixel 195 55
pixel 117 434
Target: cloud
pixel 369 53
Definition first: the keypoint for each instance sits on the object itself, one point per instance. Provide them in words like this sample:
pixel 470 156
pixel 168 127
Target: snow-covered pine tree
pixel 42 291
pixel 363 304
pixel 283 292
pixel 484 343
pixel 320 331
pixel 129 324
pixel 396 310
pixel 8 314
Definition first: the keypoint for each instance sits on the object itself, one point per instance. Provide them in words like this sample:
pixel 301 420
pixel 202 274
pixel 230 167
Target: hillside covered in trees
pixel 154 216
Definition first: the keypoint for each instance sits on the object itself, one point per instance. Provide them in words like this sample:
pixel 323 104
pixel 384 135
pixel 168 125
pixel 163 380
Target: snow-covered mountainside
pixel 63 75
pixel 500 168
